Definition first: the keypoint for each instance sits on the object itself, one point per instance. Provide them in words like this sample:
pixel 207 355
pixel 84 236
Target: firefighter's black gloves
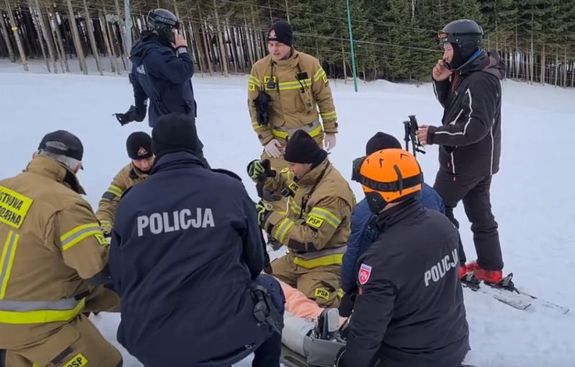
pixel 133 114
pixel 264 212
pixel 258 170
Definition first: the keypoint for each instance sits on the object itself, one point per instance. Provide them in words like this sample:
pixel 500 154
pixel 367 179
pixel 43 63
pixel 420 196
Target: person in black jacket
pixel 409 310
pixel 162 69
pixel 467 83
pixel 186 257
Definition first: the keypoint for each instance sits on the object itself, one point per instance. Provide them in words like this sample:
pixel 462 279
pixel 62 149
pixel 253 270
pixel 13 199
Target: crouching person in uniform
pixel 188 263
pixel 139 148
pixel 51 245
pixel 316 226
pixel 409 309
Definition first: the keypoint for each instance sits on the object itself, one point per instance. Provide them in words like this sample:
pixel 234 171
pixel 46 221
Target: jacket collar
pixel 313 176
pixel 176 160
pixel 291 61
pixel 56 171
pixel 409 208
pixel 136 173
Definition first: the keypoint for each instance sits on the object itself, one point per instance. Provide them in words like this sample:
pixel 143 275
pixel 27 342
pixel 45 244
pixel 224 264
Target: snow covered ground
pixel 531 195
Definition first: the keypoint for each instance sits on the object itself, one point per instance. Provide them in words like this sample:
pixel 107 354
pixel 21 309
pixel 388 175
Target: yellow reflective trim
pixel 115 190
pixel 319 74
pixel 325 214
pixel 13 207
pixel 315 131
pixel 7 261
pixel 280 134
pixel 340 293
pixel 329 115
pixel 79 233
pixel 254 80
pixel 335 259
pixel 41 316
pixel 283 228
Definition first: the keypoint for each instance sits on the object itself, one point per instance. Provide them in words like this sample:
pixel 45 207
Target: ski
pixel 506 292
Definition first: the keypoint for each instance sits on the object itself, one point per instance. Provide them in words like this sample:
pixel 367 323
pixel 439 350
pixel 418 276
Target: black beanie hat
pixel 174 133
pixel 381 141
pixel 301 148
pixel 283 32
pixel 64 143
pixel 139 145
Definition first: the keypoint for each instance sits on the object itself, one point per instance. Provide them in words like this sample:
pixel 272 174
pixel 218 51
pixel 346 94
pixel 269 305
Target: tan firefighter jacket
pixel 50 245
pixel 317 223
pixel 297 86
pixel 126 178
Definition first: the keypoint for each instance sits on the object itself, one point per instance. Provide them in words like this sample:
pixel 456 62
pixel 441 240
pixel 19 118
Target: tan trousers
pixel 77 344
pixel 320 284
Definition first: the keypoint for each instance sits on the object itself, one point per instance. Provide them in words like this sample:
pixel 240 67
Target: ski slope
pixel 531 195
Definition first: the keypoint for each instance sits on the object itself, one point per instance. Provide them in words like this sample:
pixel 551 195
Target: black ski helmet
pixel 163 22
pixel 465 35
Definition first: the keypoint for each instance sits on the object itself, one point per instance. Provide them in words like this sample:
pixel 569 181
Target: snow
pixel 531 195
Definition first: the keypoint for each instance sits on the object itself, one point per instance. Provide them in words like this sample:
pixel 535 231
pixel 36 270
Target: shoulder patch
pixel 364 274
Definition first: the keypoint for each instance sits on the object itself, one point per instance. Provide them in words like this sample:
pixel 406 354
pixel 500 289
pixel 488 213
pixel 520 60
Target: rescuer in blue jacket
pixel 186 258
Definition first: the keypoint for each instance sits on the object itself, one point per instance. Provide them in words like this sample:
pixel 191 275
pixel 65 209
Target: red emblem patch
pixel 364 274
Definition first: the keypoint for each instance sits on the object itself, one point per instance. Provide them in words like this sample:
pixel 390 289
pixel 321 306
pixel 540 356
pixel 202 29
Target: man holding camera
pixel 467 83
pixel 162 69
pixel 285 91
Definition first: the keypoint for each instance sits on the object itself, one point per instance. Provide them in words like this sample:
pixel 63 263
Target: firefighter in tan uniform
pixel 139 148
pixel 51 246
pixel 316 226
pixel 285 91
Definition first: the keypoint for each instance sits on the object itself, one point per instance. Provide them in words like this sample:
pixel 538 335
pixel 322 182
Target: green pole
pixel 352 47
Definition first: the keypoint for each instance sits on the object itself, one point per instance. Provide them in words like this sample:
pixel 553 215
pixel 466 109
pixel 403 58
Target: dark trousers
pixel 474 192
pixel 268 354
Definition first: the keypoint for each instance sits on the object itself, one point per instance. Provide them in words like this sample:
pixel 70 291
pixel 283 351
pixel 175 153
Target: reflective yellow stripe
pixel 327 215
pixel 319 74
pixel 41 316
pixel 280 134
pixel 283 228
pixel 115 190
pixel 329 115
pixel 79 233
pixel 257 126
pixel 315 132
pixel 7 261
pixel 335 259
pixel 254 80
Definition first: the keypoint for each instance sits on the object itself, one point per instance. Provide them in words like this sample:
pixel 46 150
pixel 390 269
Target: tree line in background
pixel 393 39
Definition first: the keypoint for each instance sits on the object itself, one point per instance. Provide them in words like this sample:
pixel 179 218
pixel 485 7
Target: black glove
pixel 133 114
pixel 263 212
pixel 258 170
pixel 346 304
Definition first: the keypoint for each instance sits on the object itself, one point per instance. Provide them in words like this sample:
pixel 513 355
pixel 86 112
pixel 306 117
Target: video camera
pixel 411 128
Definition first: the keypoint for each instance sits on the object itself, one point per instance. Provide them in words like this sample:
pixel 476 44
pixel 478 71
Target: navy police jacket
pixel 409 311
pixel 163 75
pixel 186 247
pixel 363 233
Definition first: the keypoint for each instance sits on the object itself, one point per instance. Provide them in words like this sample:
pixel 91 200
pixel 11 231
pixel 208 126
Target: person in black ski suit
pixel 162 69
pixel 186 257
pixel 467 83
pixel 409 311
